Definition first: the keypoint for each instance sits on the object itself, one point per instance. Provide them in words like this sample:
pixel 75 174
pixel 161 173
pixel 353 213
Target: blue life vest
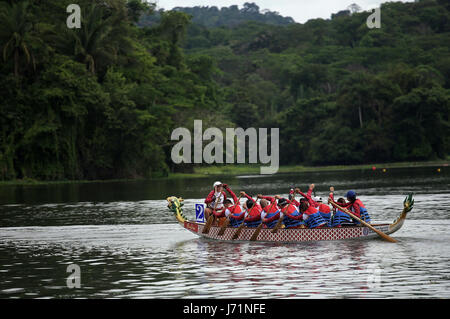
pixel 289 222
pixel 340 218
pixel 253 224
pixel 315 220
pixel 236 222
pixel 326 217
pixel 364 215
pixel 251 214
pixel 274 222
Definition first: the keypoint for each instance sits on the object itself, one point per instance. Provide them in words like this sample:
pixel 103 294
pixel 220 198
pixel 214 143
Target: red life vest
pixel 356 206
pixel 290 209
pixel 310 211
pixel 271 208
pixel 236 217
pixel 292 217
pixel 253 218
pixel 254 211
pixel 235 210
pixel 323 208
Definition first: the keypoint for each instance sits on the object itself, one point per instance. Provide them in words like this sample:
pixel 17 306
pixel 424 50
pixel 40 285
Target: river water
pixel 127 244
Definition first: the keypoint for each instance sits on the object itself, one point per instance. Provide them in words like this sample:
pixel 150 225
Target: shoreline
pixel 255 169
pixel 236 170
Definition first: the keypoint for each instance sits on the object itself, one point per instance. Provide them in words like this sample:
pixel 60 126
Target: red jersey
pixel 272 207
pixel 324 208
pixel 309 198
pixel 292 212
pixel 310 211
pixel 211 199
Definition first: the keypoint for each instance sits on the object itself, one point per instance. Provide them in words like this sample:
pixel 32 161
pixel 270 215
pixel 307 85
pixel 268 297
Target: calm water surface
pixel 128 245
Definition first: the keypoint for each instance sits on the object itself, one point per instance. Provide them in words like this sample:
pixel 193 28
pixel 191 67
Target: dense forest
pixel 101 101
pixel 225 16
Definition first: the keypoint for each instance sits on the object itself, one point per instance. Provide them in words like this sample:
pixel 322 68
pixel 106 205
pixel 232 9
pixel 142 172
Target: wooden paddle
pixel 227 221
pixel 380 233
pixel 211 218
pixel 256 232
pixel 260 226
pixel 241 226
pixel 333 212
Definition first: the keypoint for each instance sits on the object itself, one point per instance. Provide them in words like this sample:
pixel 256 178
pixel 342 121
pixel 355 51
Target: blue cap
pixel 351 194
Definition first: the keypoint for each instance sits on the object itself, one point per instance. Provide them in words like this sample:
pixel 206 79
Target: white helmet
pixel 317 199
pixel 217 184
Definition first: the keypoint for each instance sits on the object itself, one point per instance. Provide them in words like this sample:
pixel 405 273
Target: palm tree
pixel 92 42
pixel 103 39
pixel 15 33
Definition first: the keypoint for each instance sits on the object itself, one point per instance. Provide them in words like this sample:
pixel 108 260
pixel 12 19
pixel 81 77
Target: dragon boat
pixel 285 235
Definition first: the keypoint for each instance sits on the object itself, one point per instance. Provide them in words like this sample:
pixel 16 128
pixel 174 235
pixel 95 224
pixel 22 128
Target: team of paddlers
pixel 308 212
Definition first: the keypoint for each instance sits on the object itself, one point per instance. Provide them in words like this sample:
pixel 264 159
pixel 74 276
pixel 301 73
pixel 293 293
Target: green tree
pixel 15 33
pixel 421 122
pixel 90 43
pixel 353 96
pixel 174 25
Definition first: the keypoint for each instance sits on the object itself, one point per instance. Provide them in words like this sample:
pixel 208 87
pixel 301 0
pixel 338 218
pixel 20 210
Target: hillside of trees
pixel 340 92
pixel 101 101
pixel 226 16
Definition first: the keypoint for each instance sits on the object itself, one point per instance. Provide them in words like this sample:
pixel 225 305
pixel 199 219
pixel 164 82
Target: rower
pixel 234 212
pixel 215 200
pixel 339 217
pixel 221 214
pixel 311 216
pixel 292 217
pixel 270 211
pixel 308 195
pixel 252 214
pixel 323 209
pixel 356 207
pixel 291 197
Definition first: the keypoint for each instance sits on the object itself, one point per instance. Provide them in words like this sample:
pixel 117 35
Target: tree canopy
pixel 226 16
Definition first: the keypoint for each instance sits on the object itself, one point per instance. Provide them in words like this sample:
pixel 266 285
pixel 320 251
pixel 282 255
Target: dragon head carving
pixel 175 204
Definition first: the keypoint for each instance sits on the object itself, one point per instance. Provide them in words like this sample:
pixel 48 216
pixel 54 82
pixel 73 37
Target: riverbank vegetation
pixel 101 102
pixel 240 170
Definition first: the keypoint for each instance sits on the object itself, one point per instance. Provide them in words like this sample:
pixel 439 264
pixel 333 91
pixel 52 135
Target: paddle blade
pixel 224 227
pixel 238 231
pixel 277 226
pixel 386 237
pixel 208 224
pixel 256 232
